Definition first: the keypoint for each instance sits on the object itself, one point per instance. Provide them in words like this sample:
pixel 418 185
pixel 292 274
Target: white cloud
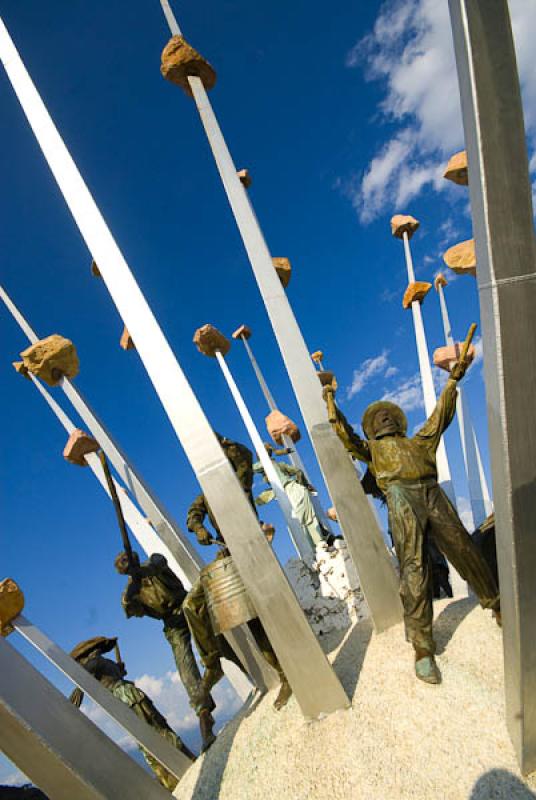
pixel 410 52
pixel 464 512
pixel 408 395
pixel 369 369
pixel 13 778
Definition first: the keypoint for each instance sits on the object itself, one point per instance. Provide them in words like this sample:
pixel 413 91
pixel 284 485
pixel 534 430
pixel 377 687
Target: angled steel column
pixel 175 761
pixel 163 535
pixel 503 227
pixel 294 456
pixel 427 379
pixel 57 746
pixel 476 479
pixel 168 530
pixel 363 537
pixel 315 685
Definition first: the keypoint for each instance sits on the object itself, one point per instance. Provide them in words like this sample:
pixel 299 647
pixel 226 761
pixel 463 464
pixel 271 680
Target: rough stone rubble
pixel 329 590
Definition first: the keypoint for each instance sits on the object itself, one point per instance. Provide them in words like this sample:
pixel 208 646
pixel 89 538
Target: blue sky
pixel 343 119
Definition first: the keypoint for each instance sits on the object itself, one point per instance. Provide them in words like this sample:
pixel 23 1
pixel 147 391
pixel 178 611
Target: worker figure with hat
pixel 153 590
pixel 111 674
pixel 419 511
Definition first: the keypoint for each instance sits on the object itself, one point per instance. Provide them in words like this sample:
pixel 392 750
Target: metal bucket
pixel 227 601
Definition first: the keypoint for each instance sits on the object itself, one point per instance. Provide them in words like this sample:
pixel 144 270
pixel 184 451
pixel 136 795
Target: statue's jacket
pixel 398 458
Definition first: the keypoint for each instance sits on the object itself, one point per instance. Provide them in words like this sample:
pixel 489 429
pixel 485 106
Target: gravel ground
pixel 402 739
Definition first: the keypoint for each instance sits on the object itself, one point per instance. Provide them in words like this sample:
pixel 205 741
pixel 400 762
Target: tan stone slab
pixel 284 270
pixel 51 359
pixel 209 339
pixel 403 223
pixel 19 367
pixel 279 425
pixel 245 178
pixel 416 292
pixel 439 281
pixel 242 331
pixel 126 341
pixel 179 60
pixel 456 170
pixel 461 258
pixel 11 604
pixel 445 356
pixel 79 444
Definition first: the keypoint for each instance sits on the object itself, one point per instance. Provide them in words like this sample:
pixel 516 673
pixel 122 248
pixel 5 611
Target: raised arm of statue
pixel 356 446
pixel 441 417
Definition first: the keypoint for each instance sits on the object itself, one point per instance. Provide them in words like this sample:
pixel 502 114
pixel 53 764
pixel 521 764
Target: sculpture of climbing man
pixel 406 472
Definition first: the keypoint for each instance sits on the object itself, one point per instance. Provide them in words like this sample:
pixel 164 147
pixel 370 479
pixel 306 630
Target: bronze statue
pixel 153 590
pixel 406 472
pixel 90 655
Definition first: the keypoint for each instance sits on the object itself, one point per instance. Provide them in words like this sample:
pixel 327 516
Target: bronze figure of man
pixel 111 674
pixel 153 590
pixel 419 511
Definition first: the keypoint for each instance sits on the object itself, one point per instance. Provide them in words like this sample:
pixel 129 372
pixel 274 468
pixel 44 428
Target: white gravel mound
pixel 402 739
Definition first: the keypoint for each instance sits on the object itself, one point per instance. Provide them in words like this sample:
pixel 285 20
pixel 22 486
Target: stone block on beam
pixel 461 258
pixel 11 604
pixel 403 223
pixel 416 292
pixel 209 340
pixel 180 60
pixel 456 170
pixel 51 359
pixel 79 445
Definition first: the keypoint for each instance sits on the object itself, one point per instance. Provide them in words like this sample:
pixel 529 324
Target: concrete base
pixel 401 740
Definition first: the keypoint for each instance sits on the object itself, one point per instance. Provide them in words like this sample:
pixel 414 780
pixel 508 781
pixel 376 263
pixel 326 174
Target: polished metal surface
pixel 164 535
pixel 476 479
pixel 175 761
pixel 503 226
pixel 315 685
pixel 359 526
pixel 57 746
pixel 228 602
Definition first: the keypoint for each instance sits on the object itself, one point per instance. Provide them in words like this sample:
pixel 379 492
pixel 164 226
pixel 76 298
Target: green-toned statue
pixel 153 590
pixel 90 655
pixel 298 491
pixel 406 472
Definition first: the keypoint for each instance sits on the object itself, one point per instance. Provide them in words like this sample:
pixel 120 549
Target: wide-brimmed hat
pixel 381 405
pixel 101 643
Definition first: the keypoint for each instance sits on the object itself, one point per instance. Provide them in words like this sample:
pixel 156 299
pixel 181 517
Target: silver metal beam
pixel 175 761
pixel 476 480
pixel 315 685
pixel 294 456
pixel 169 531
pixel 503 227
pixel 57 746
pixel 164 536
pixel 427 378
pixel 363 537
pixel 297 535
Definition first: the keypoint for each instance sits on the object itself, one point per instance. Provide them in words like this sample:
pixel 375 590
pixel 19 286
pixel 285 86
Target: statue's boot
pixel 206 723
pixel 426 668
pixel 284 694
pixel 498 618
